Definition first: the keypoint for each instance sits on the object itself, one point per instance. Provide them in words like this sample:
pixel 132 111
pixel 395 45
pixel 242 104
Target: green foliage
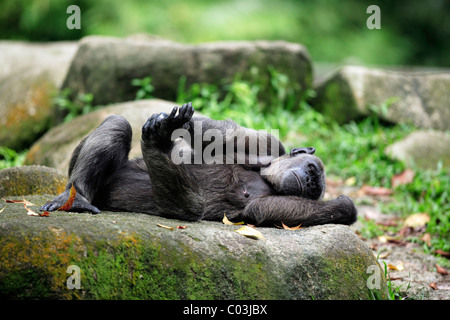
pixel 82 104
pixel 145 88
pixel 11 158
pixel 333 31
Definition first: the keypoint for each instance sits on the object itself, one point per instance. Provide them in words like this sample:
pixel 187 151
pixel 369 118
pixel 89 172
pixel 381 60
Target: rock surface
pixel 126 255
pixel 31 180
pixel 105 66
pixel 418 98
pixel 423 148
pixel 55 148
pixel 30 75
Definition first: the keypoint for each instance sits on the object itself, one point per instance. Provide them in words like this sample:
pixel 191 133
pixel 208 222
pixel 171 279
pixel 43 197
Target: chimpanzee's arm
pixel 292 211
pixel 175 191
pixel 238 145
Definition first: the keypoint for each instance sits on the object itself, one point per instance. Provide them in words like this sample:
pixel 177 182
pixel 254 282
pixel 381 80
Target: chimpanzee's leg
pixel 98 156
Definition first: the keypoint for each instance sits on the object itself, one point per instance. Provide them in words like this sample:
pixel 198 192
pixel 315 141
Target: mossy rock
pixel 31 180
pixel 106 66
pixel 418 98
pixel 128 256
pixel 29 80
pixel 54 149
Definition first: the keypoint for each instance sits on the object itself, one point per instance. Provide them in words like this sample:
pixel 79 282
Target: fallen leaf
pixel 32 213
pixel 386 239
pixel 285 227
pixel 417 220
pixel 433 285
pixel 406 231
pixel 441 270
pixel 228 222
pixel 350 181
pixel 165 227
pixel 27 203
pixel 181 227
pixel 427 239
pixel 376 191
pixel 384 255
pixel 442 253
pixel 250 232
pixel 68 204
pixel 405 177
pixel 398 267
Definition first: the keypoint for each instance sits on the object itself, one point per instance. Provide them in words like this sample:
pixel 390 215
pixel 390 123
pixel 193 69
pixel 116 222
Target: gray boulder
pixel 420 98
pixel 30 75
pixel 54 149
pixel 423 148
pixel 31 180
pixel 128 256
pixel 105 66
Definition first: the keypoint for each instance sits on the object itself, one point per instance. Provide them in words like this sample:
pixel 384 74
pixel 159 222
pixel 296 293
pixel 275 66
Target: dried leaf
pixel 384 255
pixel 417 220
pixel 181 227
pixel 442 253
pixel 32 213
pixel 441 270
pixel 427 239
pixel 350 181
pixel 228 222
pixel 165 227
pixel 405 177
pixel 386 239
pixel 376 191
pixel 68 204
pixel 434 285
pixel 27 203
pixel 398 267
pixel 250 232
pixel 285 227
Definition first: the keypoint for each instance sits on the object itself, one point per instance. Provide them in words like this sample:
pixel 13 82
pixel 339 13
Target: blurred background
pixel 413 32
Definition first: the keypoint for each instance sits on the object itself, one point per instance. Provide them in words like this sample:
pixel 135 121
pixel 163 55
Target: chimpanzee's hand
pixel 160 125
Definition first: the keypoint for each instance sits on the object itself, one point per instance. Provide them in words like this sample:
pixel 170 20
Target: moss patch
pixel 127 256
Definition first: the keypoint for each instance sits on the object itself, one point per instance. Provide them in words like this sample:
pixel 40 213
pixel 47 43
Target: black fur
pixel 263 189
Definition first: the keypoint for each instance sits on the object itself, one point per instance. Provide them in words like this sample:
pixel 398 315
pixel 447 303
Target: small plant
pixel 145 90
pixel 11 158
pixel 79 106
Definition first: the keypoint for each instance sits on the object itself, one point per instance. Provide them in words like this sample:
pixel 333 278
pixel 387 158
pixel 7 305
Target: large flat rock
pixel 127 256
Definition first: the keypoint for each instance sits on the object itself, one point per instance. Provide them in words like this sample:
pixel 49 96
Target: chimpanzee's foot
pixel 80 204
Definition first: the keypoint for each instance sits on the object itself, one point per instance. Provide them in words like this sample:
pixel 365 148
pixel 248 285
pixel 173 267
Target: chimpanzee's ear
pixel 296 151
